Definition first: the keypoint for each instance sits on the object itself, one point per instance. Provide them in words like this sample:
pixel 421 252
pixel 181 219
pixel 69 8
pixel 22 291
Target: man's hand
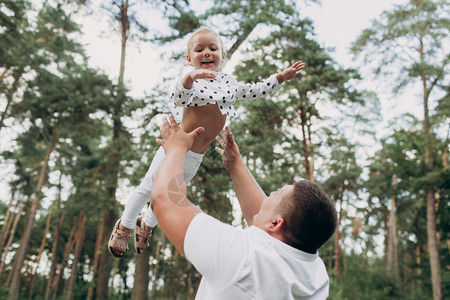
pixel 291 72
pixel 174 138
pixel 230 150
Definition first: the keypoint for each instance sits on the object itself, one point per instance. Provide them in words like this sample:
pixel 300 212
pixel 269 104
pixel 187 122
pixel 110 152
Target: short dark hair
pixel 310 217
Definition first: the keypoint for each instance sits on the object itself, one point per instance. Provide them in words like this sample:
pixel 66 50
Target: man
pixel 275 258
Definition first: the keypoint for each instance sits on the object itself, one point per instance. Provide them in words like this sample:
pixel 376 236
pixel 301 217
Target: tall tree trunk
pixel 6 224
pixel 10 240
pixel 337 249
pixel 54 251
pixel 41 250
pixel 109 217
pixel 419 266
pixel 125 27
pixel 311 154
pixel 160 245
pixel 67 250
pixel 105 263
pixel 79 241
pixel 54 261
pixel 190 289
pixel 25 240
pixel 433 250
pixel 386 231
pixel 141 275
pixel 304 144
pixel 392 258
pixel 240 39
pixel 95 262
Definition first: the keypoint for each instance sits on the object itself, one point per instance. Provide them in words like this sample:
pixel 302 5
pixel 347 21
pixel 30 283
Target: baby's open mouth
pixel 207 62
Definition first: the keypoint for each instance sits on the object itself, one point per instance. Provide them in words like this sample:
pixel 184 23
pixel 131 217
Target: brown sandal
pixel 118 241
pixel 141 236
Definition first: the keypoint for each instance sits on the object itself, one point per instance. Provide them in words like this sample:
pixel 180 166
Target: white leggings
pixel 141 195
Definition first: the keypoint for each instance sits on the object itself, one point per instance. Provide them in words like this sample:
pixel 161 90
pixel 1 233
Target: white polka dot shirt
pixel 223 90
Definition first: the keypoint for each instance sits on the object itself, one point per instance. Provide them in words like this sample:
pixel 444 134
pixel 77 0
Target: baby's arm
pixel 190 77
pixel 261 89
pixel 183 87
pixel 291 72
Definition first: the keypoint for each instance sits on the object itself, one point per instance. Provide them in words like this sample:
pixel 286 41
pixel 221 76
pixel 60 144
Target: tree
pixel 17 46
pixel 296 107
pixel 410 40
pixel 119 143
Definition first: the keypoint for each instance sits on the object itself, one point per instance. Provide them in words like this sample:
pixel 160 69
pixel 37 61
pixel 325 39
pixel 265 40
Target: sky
pixel 337 24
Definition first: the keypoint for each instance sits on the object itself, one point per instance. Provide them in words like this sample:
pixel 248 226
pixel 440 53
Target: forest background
pixel 76 139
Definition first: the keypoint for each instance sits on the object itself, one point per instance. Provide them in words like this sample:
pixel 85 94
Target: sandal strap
pixel 141 232
pixel 120 240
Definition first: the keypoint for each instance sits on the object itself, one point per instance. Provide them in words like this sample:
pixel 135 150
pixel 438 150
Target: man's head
pixel 301 215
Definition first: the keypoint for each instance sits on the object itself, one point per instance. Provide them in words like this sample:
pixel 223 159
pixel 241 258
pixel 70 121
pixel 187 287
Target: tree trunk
pixel 392 258
pixel 54 251
pixel 67 250
pixel 304 144
pixel 25 240
pixel 6 224
pixel 105 263
pixel 11 238
pixel 337 249
pixel 141 275
pixel 240 40
pixel 433 250
pixel 311 154
pixel 41 250
pixel 109 216
pixel 419 267
pixel 79 241
pixel 125 27
pixel 54 262
pixel 159 257
pixel 97 253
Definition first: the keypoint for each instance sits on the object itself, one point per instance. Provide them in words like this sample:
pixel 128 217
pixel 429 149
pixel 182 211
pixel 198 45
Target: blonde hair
pixel 205 29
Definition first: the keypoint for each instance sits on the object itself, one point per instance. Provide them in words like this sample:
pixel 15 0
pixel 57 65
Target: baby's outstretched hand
pixel 290 72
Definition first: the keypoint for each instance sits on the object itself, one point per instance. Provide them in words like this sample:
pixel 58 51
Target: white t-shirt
pixel 250 264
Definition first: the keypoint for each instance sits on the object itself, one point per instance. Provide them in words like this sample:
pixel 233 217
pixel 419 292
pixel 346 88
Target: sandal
pixel 141 236
pixel 118 241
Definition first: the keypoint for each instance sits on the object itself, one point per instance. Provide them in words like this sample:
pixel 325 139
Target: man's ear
pixel 276 225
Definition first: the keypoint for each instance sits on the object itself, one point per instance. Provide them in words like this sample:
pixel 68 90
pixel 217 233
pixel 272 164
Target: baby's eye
pixel 198 50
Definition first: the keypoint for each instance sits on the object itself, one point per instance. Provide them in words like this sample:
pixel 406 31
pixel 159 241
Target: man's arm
pixel 248 191
pixel 169 202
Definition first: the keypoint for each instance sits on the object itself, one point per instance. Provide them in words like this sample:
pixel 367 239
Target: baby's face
pixel 205 51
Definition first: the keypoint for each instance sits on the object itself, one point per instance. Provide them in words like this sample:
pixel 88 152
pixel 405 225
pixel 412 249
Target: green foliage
pixel 367 280
pixel 408 44
pixel 50 91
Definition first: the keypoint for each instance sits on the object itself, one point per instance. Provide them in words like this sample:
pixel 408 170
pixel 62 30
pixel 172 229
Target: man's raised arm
pixel 170 205
pixel 248 191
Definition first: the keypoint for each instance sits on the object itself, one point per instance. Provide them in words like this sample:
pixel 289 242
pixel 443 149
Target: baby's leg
pixel 193 161
pixel 141 195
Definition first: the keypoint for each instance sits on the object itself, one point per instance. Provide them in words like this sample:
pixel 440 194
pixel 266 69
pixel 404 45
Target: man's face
pixel 269 207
